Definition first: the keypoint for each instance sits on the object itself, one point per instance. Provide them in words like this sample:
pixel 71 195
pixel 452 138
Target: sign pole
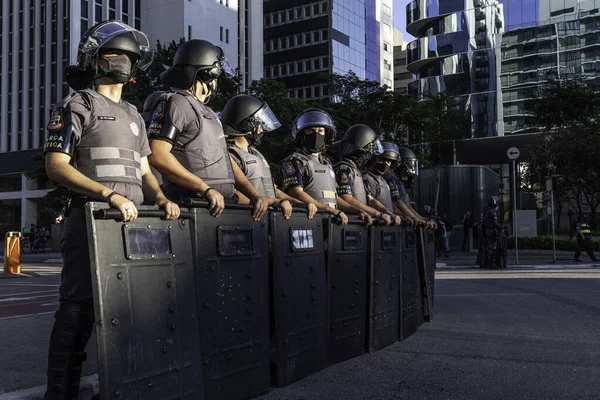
pixel 515 229
pixel 553 223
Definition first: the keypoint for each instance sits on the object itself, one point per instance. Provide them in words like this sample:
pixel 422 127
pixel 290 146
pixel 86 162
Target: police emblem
pixel 159 111
pixel 288 168
pixel 134 128
pixel 344 178
pixel 56 122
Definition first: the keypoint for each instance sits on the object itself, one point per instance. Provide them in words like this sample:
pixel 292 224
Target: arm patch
pixel 163 125
pixel 61 137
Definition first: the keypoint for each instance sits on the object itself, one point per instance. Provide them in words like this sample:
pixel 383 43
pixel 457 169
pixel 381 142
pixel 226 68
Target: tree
pixel 569 152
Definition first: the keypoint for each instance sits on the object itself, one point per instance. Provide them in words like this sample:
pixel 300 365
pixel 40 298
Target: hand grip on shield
pixel 108 213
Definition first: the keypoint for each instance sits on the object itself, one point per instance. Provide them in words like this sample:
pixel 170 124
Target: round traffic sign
pixel 513 153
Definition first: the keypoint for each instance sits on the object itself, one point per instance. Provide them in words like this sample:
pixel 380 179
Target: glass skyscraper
pixel 306 40
pixel 457 52
pixel 545 39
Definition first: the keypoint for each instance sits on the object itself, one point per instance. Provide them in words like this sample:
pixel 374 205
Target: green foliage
pixel 563 243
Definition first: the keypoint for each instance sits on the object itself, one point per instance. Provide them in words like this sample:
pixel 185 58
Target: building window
pixel 299 40
pixel 298 12
pixel 267 20
pixel 267 46
pixel 316 37
pixel 387 47
pixel 226 35
pixel 226 3
pixel 324 35
pixel 307 38
pixel 387 28
pixel 387 82
pixel 323 7
pixel 387 65
pixel 189 32
pixel 307 11
pixel 221 34
pixel 317 92
pixel 387 10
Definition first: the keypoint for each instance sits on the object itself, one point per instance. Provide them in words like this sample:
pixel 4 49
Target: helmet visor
pixel 314 119
pixel 96 37
pixel 412 166
pixel 266 119
pixel 377 147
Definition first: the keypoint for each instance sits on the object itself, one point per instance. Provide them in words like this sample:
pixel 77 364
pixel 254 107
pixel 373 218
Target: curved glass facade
pixel 545 39
pixel 457 52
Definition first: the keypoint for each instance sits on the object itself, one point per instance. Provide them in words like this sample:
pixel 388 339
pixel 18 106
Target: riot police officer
pixel 400 180
pixel 187 140
pixel 357 147
pixel 245 119
pixel 307 174
pixel 377 188
pixel 97 148
pixel 492 229
pixel 584 240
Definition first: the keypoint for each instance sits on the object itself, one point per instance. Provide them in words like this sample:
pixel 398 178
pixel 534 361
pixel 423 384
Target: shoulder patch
pixel 288 168
pixel 56 120
pixel 159 111
pixel 134 128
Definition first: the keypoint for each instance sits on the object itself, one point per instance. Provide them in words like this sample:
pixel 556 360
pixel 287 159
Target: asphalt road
pixel 508 334
pixel 495 335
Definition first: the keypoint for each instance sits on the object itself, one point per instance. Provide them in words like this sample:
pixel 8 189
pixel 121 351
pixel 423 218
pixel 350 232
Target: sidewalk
pixel 536 259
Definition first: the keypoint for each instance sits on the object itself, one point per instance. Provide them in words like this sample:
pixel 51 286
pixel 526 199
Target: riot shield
pixel 426 267
pixel 145 305
pixel 231 256
pixel 347 271
pixel 411 308
pixel 299 296
pixel 384 285
pixel 430 262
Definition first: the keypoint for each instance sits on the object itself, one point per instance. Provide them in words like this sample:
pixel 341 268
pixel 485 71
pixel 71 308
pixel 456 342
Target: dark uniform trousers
pixel 585 244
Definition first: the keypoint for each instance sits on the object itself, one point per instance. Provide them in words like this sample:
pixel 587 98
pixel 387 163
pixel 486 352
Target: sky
pixel 400 18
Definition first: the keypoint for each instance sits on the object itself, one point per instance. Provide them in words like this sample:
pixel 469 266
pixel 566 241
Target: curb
pixel 441 266
pixel 87 388
pixel 15 276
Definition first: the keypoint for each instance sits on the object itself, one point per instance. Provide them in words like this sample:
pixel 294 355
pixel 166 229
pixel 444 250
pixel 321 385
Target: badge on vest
pixel 56 121
pixel 134 128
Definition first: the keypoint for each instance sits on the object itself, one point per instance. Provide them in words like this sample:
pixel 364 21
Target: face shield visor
pixel 265 118
pixel 98 36
pixel 412 167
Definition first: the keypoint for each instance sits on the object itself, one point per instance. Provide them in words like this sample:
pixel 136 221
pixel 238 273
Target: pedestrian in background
pixel 467 228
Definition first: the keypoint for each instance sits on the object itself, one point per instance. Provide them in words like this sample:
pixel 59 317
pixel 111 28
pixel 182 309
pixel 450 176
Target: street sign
pixel 513 153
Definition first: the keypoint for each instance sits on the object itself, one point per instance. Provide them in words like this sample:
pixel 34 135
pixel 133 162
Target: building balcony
pixel 420 13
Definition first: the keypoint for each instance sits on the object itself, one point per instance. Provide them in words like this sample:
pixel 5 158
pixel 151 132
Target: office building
pixel 402 76
pixel 457 52
pixel 305 41
pixel 545 40
pixel 234 25
pixel 38 38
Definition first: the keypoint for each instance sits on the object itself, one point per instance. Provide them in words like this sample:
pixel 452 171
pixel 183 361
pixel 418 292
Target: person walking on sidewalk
pixel 584 240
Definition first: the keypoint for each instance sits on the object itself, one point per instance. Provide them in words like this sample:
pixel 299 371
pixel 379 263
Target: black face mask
pixel 116 68
pixel 381 168
pixel 314 143
pixel 255 139
pixel 362 158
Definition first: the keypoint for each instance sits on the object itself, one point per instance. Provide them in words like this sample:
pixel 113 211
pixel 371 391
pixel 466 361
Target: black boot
pixel 73 326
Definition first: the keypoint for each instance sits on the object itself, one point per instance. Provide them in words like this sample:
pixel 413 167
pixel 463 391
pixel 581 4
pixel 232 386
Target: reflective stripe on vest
pixel 585 229
pixel 322 187
pixel 121 161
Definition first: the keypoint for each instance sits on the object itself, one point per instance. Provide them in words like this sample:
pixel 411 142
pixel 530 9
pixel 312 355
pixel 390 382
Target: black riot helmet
pixel 108 37
pixel 390 152
pixel 408 166
pixel 313 117
pixel 244 114
pixel 360 143
pixel 492 202
pixel 196 60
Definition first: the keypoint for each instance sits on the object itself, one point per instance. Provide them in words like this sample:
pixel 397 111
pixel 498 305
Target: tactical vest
pixel 358 184
pixel 322 187
pixel 256 168
pixel 489 216
pixel 585 229
pixel 108 151
pixel 204 152
pixel 385 195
